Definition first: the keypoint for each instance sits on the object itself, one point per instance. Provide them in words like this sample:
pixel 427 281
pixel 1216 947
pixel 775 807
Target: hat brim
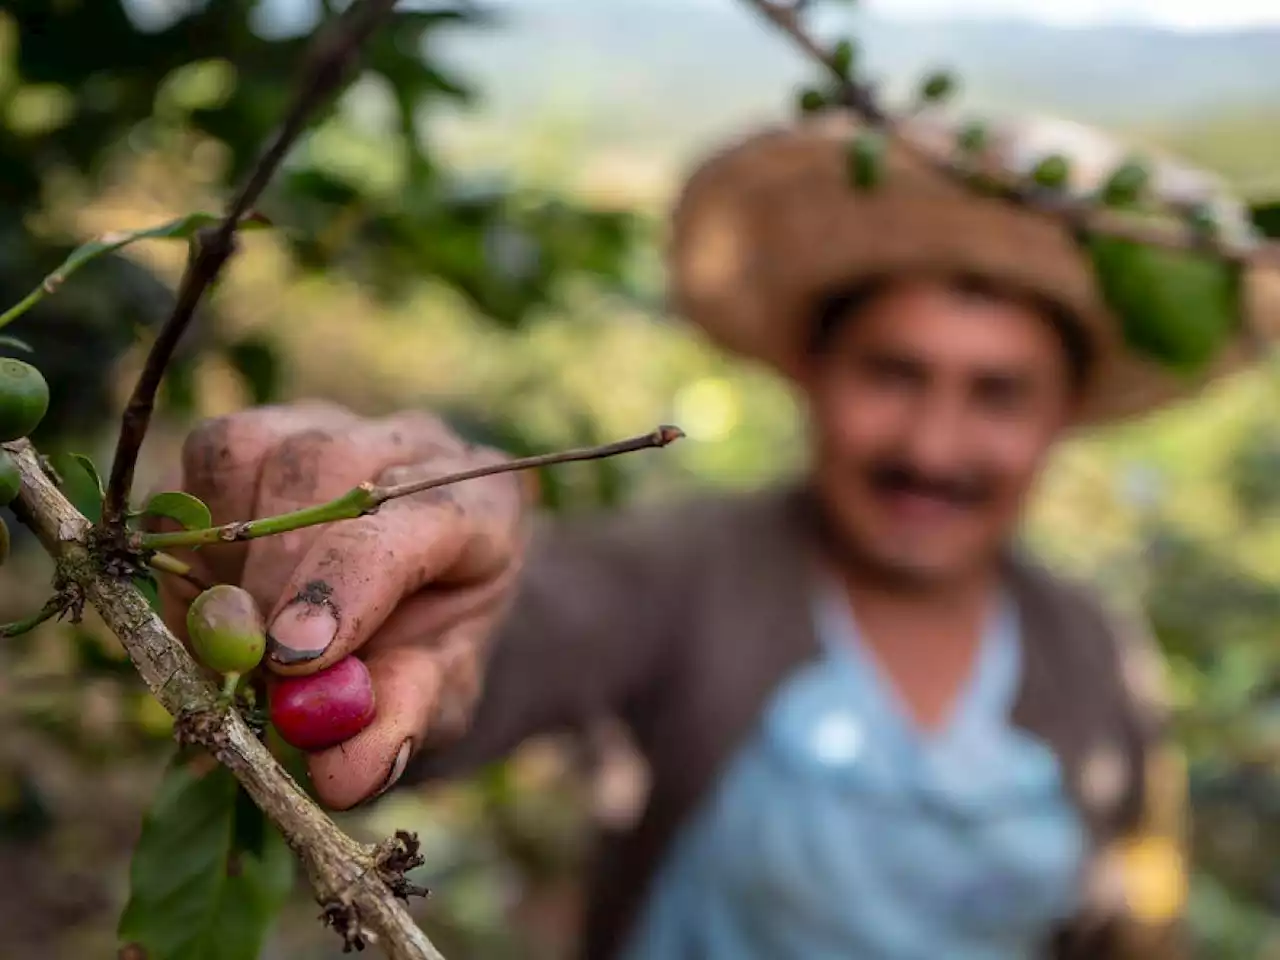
pixel 766 228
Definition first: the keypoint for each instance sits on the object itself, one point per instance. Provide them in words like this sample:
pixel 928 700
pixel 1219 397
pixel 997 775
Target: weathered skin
pixel 324 709
pixel 357 586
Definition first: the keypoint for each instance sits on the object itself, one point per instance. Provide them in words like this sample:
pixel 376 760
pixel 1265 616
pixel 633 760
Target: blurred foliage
pixel 1186 509
pixel 83 84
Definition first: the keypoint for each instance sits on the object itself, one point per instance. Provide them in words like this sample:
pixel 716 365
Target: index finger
pixel 357 571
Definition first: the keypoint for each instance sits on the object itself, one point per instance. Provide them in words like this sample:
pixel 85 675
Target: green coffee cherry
pixel 811 101
pixel 1053 172
pixel 937 86
pixel 866 159
pixel 24 398
pixel 10 479
pixel 1125 185
pixel 842 58
pixel 973 138
pixel 226 629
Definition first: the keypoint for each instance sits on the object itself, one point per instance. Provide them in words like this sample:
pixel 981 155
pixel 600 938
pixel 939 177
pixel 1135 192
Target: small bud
pixel 937 86
pixel 226 629
pixel 1126 184
pixel 866 159
pixel 973 138
pixel 321 710
pixel 811 100
pixel 842 58
pixel 1053 172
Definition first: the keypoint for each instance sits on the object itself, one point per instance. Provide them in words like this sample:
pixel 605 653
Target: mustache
pixel 963 490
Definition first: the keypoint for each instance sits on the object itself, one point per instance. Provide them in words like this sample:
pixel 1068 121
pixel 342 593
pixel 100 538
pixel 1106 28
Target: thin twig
pixel 660 437
pixel 332 54
pixel 367 497
pixel 164 563
pixel 51 609
pixel 1078 214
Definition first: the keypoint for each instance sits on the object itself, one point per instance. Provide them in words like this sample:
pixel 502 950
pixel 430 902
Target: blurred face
pixel 933 411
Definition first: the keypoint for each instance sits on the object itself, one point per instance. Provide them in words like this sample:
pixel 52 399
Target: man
pixel 874 728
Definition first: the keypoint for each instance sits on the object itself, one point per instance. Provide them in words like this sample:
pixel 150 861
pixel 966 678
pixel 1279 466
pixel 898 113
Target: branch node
pixel 234 531
pixel 201 727
pixel 345 919
pixel 395 857
pixel 69 596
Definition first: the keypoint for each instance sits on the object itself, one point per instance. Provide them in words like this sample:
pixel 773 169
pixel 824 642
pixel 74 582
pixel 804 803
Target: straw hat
pixel 766 227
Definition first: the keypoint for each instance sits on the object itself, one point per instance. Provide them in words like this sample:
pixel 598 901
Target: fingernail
pixel 302 632
pixel 397 768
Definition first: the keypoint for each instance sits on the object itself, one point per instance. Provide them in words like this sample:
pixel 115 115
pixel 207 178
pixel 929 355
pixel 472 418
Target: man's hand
pixel 414 589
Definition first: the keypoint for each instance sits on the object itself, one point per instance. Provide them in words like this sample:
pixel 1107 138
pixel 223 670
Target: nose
pixel 935 441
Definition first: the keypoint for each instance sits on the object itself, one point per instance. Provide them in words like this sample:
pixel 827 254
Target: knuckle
pixel 210 449
pixel 220 444
pixel 296 465
pixel 424 431
pixel 402 473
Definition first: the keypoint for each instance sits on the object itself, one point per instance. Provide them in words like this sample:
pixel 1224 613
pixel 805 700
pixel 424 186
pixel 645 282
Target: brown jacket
pixel 680 620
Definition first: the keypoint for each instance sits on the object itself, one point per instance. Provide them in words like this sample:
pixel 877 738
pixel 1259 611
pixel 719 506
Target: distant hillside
pixel 666 75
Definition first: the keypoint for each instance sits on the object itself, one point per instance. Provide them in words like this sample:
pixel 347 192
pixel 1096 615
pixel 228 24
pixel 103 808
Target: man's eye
pixel 1001 393
pixel 893 373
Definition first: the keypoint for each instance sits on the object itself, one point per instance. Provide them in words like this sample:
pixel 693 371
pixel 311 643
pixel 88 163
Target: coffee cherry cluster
pixel 312 712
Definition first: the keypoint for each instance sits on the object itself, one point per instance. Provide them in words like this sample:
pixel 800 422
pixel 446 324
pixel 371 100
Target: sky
pixel 1194 15
pixel 1189 15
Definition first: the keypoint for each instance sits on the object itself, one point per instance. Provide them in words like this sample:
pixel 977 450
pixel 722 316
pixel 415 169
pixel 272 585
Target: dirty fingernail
pixel 397 768
pixel 302 632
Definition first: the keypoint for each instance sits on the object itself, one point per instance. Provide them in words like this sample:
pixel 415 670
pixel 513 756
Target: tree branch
pixel 349 878
pixel 332 54
pixel 367 497
pixel 1078 214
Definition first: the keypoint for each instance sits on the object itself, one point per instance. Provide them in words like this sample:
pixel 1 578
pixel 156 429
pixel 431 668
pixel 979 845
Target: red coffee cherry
pixel 323 709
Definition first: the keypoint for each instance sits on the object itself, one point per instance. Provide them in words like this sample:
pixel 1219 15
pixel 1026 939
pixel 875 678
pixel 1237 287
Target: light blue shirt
pixel 839 831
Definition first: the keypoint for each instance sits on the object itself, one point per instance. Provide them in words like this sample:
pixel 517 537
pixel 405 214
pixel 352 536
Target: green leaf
pixel 1178 307
pixel 209 873
pixel 183 228
pixel 1266 218
pixel 842 58
pixel 80 483
pixel 257 361
pixel 146 583
pixel 866 159
pixel 91 472
pixel 8 341
pixel 187 510
pixel 937 86
pixel 178 389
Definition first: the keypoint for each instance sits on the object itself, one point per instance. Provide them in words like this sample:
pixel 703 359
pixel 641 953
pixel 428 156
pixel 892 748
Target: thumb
pixel 412 684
